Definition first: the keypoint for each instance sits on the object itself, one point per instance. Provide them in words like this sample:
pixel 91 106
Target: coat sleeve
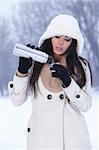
pixel 18 89
pixel 80 98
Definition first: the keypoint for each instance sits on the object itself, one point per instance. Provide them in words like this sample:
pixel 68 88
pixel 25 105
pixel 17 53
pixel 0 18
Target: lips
pixel 59 48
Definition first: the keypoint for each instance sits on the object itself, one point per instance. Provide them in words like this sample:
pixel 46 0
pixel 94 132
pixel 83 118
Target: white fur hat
pixel 64 25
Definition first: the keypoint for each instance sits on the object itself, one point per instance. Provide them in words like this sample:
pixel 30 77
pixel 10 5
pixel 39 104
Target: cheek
pixel 67 45
pixel 54 43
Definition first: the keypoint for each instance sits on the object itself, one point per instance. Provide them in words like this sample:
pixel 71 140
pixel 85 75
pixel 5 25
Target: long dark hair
pixel 74 65
pixel 37 67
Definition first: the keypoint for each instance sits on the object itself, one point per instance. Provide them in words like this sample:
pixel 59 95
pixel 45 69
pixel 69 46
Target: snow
pixel 13 123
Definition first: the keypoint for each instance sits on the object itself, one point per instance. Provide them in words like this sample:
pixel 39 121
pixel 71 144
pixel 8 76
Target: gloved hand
pixel 25 63
pixel 62 73
pixel 31 46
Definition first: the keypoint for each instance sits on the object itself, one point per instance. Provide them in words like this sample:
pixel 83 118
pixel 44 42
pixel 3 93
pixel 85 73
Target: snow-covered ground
pixel 13 123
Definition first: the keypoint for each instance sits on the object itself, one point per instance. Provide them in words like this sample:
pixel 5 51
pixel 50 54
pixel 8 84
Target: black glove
pixel 31 46
pixel 24 64
pixel 62 73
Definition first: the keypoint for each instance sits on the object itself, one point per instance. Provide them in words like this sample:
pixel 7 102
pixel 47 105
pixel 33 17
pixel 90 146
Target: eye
pixel 57 36
pixel 68 39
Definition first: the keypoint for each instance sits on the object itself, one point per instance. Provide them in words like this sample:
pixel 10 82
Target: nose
pixel 61 40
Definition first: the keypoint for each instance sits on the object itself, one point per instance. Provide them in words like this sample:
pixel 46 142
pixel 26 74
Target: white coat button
pixel 49 96
pixel 28 129
pixel 61 96
pixel 78 96
pixel 11 85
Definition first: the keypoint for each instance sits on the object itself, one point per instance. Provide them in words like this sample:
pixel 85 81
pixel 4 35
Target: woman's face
pixel 60 44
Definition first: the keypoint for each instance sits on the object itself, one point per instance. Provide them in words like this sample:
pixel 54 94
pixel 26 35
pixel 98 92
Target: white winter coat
pixel 56 122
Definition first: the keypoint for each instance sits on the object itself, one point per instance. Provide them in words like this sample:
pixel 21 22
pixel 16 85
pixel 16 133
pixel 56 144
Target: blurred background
pixel 24 21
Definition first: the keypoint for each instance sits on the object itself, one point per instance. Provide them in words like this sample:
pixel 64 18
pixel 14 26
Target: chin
pixel 57 57
pixel 59 54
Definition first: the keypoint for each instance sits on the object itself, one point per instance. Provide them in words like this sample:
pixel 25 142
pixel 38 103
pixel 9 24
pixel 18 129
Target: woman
pixel 60 90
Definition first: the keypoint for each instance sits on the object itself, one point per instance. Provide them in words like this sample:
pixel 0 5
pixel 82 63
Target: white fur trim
pixel 64 25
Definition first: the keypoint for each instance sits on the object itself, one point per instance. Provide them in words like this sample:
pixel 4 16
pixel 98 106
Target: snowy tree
pixel 6 57
pixel 27 21
pixel 87 13
pixel 31 21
